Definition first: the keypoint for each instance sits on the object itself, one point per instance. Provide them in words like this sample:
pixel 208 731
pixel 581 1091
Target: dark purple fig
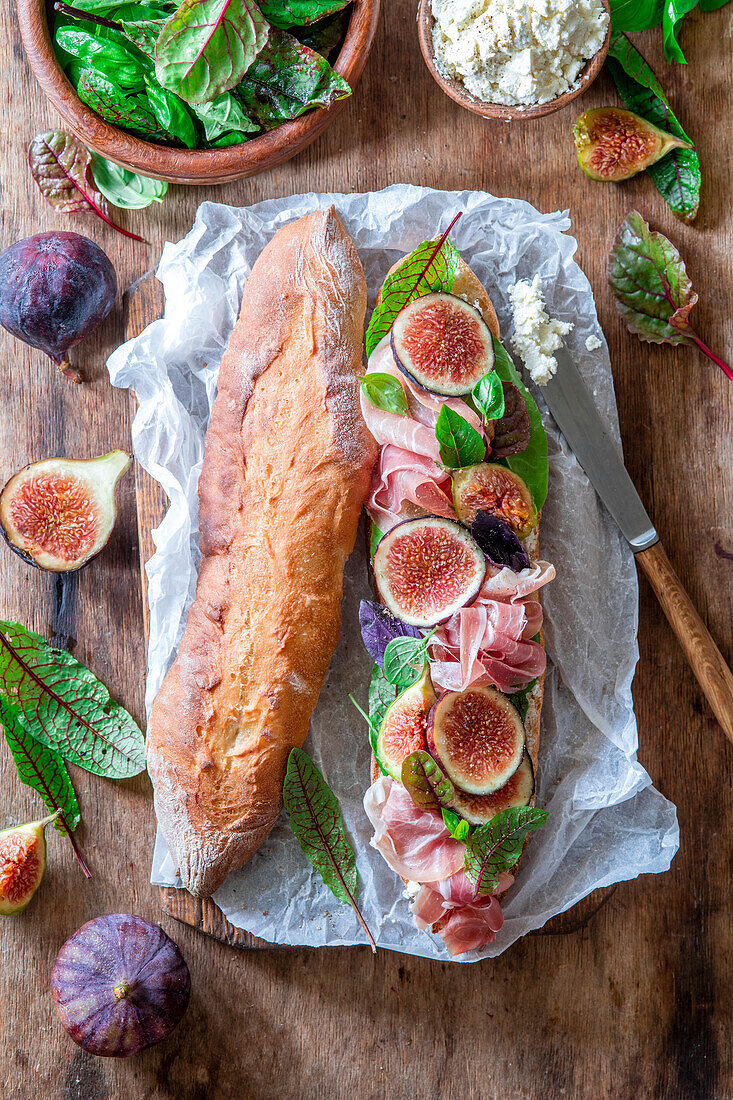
pixel 498 542
pixel 22 864
pixel 512 429
pixel 403 727
pixel 58 514
pixel 477 737
pixel 477 809
pixel 613 144
pixel 489 487
pixel 427 568
pixel 443 344
pixel 120 984
pixel 55 288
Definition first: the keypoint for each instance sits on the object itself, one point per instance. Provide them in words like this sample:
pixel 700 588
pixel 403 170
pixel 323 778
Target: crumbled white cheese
pixel 517 52
pixel 593 343
pixel 411 890
pixel 536 334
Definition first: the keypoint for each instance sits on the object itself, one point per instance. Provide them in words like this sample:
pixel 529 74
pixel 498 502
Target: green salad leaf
pixel 126 189
pixel 316 821
pixel 488 397
pixel 108 100
pixel 426 783
pixel 460 443
pixel 636 15
pixel 385 392
pixel 673 12
pixel 224 116
pixel 324 36
pixel 457 826
pixel 292 13
pixel 375 537
pixel 495 847
pixel 171 113
pixel 404 660
pixel 381 696
pixel 531 463
pixel 110 56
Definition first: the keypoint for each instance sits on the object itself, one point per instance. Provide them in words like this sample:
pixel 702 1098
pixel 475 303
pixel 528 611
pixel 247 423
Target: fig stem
pixel 121 991
pixel 68 371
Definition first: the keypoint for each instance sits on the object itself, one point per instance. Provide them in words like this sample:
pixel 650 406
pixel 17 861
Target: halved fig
pixel 489 487
pixel 477 736
pixel 403 728
pixel 427 568
pixel 477 809
pixel 613 144
pixel 58 513
pixel 443 344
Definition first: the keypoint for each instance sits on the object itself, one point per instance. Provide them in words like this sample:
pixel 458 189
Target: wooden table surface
pixel 635 1004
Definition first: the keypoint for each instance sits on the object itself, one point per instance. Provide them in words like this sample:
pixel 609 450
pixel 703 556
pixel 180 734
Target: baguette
pixel 286 470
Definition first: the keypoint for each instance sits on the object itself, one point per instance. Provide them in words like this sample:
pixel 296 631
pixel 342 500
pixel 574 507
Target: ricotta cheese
pixel 517 52
pixel 592 342
pixel 536 335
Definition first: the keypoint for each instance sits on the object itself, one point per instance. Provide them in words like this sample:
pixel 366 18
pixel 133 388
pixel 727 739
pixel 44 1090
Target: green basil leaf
pixel 677 175
pixel 404 660
pixel 111 58
pixel 325 36
pixel 520 699
pixel 425 782
pixel 109 101
pixel 496 846
pixel 375 537
pixel 531 463
pixel 636 15
pixel 316 821
pixel 126 189
pixel 460 444
pixel 291 13
pixel 381 696
pixel 488 397
pixel 224 116
pixel 673 13
pixel 457 826
pixel 385 392
pixel 207 46
pixel 172 114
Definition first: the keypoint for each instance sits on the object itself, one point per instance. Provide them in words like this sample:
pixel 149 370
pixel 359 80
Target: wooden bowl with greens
pixel 202 92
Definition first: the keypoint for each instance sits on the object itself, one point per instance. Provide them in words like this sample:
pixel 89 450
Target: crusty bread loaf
pixel 286 470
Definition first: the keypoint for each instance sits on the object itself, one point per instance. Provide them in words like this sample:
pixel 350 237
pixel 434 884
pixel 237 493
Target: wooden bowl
pixel 194 166
pixel 503 111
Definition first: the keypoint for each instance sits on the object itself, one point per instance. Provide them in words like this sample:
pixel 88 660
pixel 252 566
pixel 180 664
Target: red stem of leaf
pixel 688 330
pixel 103 216
pixel 77 13
pixel 77 850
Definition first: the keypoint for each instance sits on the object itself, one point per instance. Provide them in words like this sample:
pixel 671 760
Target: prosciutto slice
pixel 414 843
pixel 403 477
pixel 472 927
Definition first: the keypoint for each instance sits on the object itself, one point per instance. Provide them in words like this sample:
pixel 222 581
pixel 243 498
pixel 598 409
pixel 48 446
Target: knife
pixel 579 421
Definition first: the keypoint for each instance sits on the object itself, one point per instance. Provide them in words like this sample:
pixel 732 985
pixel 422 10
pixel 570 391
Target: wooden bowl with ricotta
pixel 457 90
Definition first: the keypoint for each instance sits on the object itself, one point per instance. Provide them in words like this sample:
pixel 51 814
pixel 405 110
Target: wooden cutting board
pixel 144 303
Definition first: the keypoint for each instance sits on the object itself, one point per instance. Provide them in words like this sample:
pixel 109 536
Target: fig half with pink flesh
pixel 477 809
pixel 477 736
pixel 489 487
pixel 425 569
pixel 404 726
pixel 613 144
pixel 22 864
pixel 443 344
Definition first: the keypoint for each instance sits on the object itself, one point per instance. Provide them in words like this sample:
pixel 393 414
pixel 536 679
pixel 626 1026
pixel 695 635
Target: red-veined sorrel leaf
pixel 428 787
pixel 291 13
pixel 65 706
pixel 60 165
pixel 433 265
pixel 316 821
pixel 496 846
pixel 44 771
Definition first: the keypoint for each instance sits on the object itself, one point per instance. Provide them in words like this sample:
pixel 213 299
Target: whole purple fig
pixel 120 984
pixel 55 288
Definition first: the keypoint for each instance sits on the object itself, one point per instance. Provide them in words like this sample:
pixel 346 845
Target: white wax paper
pixel 606 823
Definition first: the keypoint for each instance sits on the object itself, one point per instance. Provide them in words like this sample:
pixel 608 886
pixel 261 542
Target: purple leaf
pixel 498 542
pixel 379 628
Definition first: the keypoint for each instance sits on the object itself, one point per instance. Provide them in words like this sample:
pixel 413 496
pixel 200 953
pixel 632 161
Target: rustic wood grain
pixel 635 1004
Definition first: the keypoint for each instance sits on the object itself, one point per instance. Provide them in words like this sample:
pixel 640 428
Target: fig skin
pixel 448 361
pixel 490 487
pixel 55 288
pixel 22 864
pixel 120 985
pixel 404 725
pixel 613 144
pixel 477 737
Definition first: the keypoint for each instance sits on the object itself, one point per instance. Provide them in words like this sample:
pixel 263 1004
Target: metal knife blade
pixel 579 421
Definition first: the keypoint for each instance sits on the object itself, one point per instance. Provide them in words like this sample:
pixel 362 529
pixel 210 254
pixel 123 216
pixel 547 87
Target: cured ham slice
pixel 414 843
pixel 402 477
pixel 470 927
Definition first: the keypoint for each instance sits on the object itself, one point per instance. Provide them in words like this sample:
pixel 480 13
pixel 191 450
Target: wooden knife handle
pixel 704 657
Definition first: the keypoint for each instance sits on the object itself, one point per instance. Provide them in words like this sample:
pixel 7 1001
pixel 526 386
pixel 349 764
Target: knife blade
pixel 575 412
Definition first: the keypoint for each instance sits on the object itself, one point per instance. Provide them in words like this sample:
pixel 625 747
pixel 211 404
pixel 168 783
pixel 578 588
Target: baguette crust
pixel 286 470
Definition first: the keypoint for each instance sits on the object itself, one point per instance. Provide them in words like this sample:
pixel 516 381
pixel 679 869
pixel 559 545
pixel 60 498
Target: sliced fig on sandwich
pixel 404 726
pixel 477 809
pixel 443 344
pixel 477 736
pixel 488 487
pixel 427 568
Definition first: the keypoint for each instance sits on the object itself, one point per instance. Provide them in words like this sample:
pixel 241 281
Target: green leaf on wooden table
pixel 385 392
pixel 432 266
pixel 677 175
pixel 530 464
pixel 488 396
pixel 404 660
pixel 224 115
pixel 207 46
pixel 286 80
pixel 291 13
pixel 325 36
pixel 131 111
pixel 316 821
pixel 126 189
pixel 66 707
pixel 495 847
pixel 673 12
pixel 636 15
pixel 425 782
pixel 171 113
pixel 457 826
pixel 460 443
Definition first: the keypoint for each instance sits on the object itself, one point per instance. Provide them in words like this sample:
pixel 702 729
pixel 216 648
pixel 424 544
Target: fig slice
pixel 427 568
pixel 477 809
pixel 489 487
pixel 22 864
pixel 613 144
pixel 403 728
pixel 443 344
pixel 57 514
pixel 477 736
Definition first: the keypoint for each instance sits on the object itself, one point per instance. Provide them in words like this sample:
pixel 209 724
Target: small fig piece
pixel 120 984
pixel 403 727
pixel 55 288
pixel 477 809
pixel 489 487
pixel 477 736
pixel 613 144
pixel 58 514
pixel 22 864
pixel 443 344
pixel 427 568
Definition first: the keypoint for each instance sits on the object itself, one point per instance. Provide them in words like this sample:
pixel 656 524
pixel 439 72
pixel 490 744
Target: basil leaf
pixel 171 113
pixel 673 13
pixel 385 392
pixel 224 115
pixel 207 46
pixel 636 15
pixel 375 537
pixel 381 696
pixel 404 660
pixel 109 101
pixel 495 847
pixel 460 444
pixel 126 189
pixel 488 396
pixel 457 826
pixel 379 627
pixel 531 463
pixel 427 785
pixel 677 175
pixel 289 13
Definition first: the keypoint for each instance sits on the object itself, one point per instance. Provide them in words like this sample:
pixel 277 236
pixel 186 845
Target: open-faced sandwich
pixel 455 630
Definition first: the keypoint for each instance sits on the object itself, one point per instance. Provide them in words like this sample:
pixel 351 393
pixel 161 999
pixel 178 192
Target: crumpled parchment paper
pixel 607 823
